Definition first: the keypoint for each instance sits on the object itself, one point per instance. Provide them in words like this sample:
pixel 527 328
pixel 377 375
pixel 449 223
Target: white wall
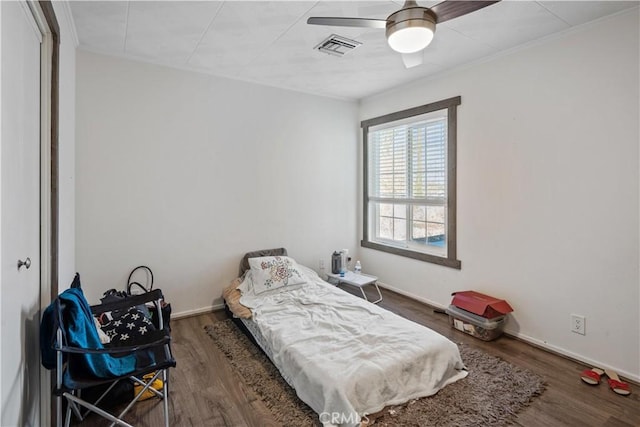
pixel 185 172
pixel 548 190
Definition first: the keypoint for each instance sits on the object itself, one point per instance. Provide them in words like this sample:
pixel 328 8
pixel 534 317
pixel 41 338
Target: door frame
pixel 47 23
pixel 50 159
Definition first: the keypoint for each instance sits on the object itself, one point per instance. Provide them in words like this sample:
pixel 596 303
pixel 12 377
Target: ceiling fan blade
pixel 348 22
pixel 453 9
pixel 413 59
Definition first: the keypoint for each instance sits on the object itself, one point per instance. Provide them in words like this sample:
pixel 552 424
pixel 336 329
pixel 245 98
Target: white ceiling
pixel 269 42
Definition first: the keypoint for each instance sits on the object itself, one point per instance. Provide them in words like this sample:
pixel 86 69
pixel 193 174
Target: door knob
pixel 26 263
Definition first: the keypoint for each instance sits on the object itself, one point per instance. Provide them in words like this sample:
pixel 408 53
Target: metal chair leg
pixel 58 411
pixel 165 391
pixel 97 410
pixel 67 418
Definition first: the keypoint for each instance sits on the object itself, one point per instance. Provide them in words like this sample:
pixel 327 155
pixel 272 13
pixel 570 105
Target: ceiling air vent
pixel 337 45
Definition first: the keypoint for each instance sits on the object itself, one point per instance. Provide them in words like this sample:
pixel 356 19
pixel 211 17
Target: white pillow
pixel 274 272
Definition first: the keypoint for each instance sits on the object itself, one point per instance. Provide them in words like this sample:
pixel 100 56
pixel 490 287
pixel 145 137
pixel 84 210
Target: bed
pixel 344 356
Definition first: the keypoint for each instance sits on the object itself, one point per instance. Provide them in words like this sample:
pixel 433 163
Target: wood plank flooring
pixel 206 392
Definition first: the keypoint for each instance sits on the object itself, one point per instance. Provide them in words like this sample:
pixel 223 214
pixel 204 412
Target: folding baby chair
pixel 82 361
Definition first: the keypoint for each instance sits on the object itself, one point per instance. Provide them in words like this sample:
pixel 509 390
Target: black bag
pixel 113 295
pixel 137 287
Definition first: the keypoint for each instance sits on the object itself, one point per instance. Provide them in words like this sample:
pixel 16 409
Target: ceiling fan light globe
pixel 410 39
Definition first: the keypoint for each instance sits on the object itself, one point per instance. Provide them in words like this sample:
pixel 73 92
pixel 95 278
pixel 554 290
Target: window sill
pixel 446 262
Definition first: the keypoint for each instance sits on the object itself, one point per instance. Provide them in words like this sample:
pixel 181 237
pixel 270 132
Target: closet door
pixel 19 215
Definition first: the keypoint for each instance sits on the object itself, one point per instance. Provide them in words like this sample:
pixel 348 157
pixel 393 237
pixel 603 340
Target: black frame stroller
pixel 152 356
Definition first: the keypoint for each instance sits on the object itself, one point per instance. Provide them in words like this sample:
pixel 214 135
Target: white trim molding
pixel 71 24
pixel 197 311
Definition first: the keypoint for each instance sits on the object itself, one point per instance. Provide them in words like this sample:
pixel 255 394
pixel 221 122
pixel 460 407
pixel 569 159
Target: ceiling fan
pixel 410 29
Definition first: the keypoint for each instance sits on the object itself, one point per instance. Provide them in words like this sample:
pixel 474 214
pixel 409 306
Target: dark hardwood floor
pixel 206 392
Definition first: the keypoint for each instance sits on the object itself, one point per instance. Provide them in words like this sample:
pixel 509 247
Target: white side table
pixel 358 280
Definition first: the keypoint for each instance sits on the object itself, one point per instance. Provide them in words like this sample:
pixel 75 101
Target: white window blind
pixel 407 181
pixel 409 162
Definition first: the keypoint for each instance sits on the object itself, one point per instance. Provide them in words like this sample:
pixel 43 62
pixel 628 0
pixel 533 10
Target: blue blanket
pixel 80 331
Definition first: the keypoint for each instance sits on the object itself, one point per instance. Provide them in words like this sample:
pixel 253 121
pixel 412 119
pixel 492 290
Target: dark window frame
pixel 450 104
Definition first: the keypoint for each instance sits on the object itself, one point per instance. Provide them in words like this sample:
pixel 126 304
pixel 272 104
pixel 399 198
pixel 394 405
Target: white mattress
pixel 346 357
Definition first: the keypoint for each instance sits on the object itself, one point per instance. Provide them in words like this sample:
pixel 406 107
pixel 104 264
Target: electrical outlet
pixel 321 264
pixel 578 324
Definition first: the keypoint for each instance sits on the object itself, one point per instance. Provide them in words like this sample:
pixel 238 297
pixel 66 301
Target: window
pixel 410 183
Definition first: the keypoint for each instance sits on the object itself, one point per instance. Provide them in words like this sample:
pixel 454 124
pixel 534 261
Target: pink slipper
pixel 591 376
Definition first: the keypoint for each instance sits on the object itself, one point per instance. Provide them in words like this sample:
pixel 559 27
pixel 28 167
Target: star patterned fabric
pixel 126 327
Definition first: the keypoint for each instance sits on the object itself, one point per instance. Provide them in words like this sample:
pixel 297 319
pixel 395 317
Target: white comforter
pixel 346 357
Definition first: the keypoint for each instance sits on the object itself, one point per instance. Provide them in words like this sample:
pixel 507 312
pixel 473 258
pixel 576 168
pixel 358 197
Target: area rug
pixel 492 393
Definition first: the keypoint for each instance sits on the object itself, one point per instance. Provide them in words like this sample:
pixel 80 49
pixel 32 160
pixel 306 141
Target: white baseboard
pixel 412 296
pixel 574 356
pixel 530 340
pixel 197 311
